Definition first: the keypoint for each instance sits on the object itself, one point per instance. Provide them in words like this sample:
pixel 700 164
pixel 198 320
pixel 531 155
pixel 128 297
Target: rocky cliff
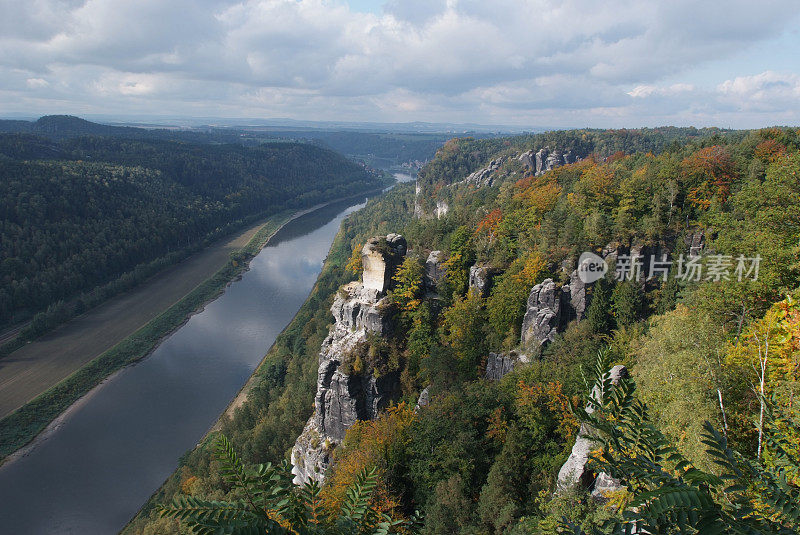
pixel 550 308
pixel 348 389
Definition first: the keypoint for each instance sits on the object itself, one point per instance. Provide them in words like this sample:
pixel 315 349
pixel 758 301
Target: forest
pixel 704 435
pixel 85 216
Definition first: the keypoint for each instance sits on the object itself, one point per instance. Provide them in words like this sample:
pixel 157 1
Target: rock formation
pixel 480 278
pixel 550 308
pixel 485 176
pixel 545 160
pixel 380 258
pixel 344 393
pixel 434 269
pixel 500 364
pixel 574 472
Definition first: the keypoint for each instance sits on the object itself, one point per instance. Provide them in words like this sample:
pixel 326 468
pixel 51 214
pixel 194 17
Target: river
pixel 113 448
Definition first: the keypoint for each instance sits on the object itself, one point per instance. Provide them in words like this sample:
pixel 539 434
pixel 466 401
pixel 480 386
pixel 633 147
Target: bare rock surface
pixel 360 309
pixel 574 472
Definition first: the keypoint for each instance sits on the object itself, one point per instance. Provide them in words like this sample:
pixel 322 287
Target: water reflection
pixel 115 448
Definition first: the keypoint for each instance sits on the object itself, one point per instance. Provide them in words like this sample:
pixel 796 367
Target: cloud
pixel 767 91
pixel 507 60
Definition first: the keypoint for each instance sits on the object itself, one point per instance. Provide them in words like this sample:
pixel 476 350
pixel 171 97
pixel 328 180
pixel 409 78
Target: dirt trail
pixel 32 369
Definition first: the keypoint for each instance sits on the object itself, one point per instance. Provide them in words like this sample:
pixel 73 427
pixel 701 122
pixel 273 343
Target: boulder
pixel 574 472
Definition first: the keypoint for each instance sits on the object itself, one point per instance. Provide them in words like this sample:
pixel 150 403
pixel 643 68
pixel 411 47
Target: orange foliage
pixel 490 222
pixel 770 150
pixel 619 155
pixel 498 426
pixel 539 194
pixel 367 444
pixel 533 265
pixel 531 399
pixel 713 171
pixel 187 484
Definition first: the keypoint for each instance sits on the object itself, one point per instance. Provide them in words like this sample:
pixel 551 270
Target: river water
pixel 117 445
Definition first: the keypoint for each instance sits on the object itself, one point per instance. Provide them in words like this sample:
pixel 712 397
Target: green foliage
pixel 667 492
pixel 92 217
pixel 268 502
pixel 626 303
pixel 409 284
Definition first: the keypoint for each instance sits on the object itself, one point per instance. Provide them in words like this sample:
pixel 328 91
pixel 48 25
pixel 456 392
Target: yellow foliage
pixel 354 263
pixel 367 444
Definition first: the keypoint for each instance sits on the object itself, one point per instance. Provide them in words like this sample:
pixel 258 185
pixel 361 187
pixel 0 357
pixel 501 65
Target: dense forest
pixel 377 149
pixel 84 217
pixel 702 437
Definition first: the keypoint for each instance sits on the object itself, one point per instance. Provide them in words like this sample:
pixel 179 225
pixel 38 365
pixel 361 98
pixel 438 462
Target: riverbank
pixel 22 426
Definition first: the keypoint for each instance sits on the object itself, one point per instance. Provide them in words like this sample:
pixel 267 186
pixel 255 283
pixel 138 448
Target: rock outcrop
pixel 434 269
pixel 575 472
pixel 550 308
pixel 545 160
pixel 545 316
pixel 380 258
pixel 485 176
pixel 480 278
pixel 344 392
pixel 500 364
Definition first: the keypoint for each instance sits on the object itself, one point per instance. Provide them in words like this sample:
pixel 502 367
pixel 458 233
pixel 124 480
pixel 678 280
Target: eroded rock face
pixel 480 278
pixel 550 308
pixel 500 364
pixel 485 176
pixel 434 269
pixel 575 473
pixel 545 315
pixel 359 310
pixel 545 160
pixel 380 258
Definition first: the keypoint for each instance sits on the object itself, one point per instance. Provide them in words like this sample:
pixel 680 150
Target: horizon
pixel 519 65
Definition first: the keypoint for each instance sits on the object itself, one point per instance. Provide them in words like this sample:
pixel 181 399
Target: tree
pixel 270 503
pixel 408 284
pixel 462 331
pixel 626 303
pixel 666 492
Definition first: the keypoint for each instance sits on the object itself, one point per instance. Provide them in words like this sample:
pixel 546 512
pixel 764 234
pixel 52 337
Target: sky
pixel 522 63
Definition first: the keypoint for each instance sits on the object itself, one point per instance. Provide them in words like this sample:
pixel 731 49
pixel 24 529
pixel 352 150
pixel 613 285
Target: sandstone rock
pixel 424 399
pixel 441 209
pixel 434 270
pixel 500 364
pixel 544 316
pixel 574 472
pixel 358 309
pixel 380 258
pixel 578 298
pixel 485 176
pixel 528 159
pixel 480 278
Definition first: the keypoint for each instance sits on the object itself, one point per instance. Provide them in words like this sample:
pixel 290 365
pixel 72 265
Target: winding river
pixel 113 448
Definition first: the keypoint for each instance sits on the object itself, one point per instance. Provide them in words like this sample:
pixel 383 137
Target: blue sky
pixel 526 63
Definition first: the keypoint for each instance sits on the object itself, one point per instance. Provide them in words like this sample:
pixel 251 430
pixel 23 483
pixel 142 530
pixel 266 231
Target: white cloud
pixel 507 60
pixel 767 91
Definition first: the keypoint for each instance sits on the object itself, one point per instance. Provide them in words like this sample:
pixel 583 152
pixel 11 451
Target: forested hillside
pixel 84 217
pixel 498 342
